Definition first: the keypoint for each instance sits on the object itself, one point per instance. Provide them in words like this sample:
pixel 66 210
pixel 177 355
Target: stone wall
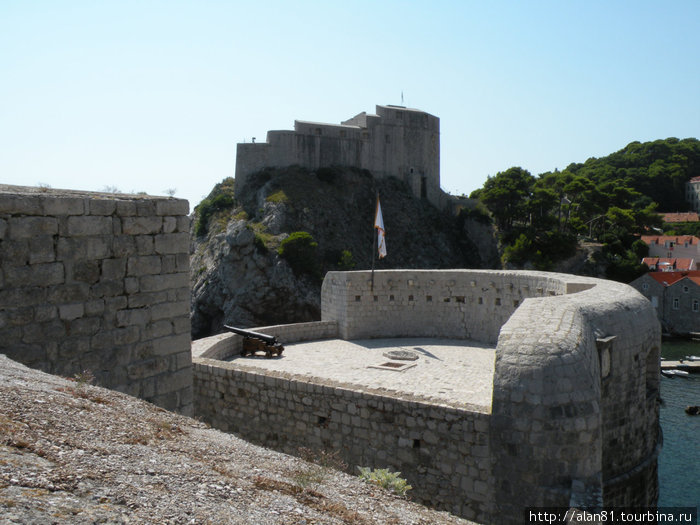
pixel 443 452
pixel 574 415
pixel 98 282
pixel 458 304
pixel 397 141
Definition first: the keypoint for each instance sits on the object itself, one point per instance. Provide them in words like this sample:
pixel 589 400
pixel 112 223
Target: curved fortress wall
pixel 397 141
pixel 98 282
pixel 574 416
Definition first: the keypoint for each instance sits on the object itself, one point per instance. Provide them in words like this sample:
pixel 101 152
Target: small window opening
pixel 410 298
pixel 460 299
pixel 391 297
pixel 498 301
pixel 446 300
pixel 358 298
pixel 376 298
pixel 429 298
pixel 416 443
pixel 481 300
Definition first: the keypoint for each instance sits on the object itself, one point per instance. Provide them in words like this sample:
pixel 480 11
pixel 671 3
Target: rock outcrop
pixel 72 453
pixel 239 278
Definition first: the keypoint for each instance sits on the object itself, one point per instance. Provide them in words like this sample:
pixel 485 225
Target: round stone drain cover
pixel 404 355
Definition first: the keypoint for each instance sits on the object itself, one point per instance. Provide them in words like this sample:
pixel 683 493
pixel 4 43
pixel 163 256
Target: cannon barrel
pixel 269 339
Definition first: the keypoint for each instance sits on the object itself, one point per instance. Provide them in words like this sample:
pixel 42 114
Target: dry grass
pixel 312 499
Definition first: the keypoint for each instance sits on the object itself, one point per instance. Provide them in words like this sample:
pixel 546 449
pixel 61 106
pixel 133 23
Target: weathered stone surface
pixel 172 243
pixel 26 227
pixel 144 265
pixel 89 225
pixel 142 225
pixel 71 266
pixel 557 430
pixel 172 207
pixel 102 206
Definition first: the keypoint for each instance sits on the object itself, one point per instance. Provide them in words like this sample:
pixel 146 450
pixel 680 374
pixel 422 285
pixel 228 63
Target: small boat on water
pixel 692 358
pixel 674 373
pixel 692 410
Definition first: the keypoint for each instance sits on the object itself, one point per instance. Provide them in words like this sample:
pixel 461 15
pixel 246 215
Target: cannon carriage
pixel 254 342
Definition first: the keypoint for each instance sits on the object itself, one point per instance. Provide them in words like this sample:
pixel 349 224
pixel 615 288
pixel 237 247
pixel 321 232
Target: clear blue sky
pixel 150 95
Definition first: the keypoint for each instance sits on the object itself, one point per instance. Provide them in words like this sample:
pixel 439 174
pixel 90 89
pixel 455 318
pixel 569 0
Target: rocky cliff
pixel 240 278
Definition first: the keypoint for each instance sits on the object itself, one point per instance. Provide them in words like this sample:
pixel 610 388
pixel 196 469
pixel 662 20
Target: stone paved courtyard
pixel 447 371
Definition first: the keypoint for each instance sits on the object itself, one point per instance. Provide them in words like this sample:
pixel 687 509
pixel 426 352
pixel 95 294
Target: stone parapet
pixel 98 282
pixel 574 414
pixel 442 451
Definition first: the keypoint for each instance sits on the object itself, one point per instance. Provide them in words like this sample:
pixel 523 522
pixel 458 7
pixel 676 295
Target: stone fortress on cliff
pixel 562 411
pixel 396 141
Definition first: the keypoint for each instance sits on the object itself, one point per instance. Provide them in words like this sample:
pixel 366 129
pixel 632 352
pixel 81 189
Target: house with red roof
pixel 676 298
pixel 666 264
pixel 673 246
pixel 687 216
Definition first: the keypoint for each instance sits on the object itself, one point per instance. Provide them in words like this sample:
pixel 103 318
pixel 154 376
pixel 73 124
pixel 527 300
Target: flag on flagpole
pixel 379 225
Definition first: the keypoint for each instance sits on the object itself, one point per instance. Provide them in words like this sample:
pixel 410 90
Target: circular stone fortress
pixel 522 388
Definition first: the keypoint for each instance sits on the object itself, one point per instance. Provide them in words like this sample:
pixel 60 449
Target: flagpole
pixel 375 240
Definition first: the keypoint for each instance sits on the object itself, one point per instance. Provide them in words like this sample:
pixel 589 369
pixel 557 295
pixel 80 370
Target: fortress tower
pixel 396 141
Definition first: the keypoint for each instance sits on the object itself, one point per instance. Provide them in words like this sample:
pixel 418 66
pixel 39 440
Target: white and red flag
pixel 379 225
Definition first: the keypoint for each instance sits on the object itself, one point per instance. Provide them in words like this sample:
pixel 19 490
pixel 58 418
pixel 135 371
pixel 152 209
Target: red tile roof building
pixel 676 298
pixel 665 264
pixel 673 246
pixel 688 216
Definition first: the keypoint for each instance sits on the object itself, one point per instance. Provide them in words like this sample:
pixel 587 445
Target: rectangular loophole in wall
pixel 429 298
pixel 498 301
pixel 358 298
pixel 460 299
pixel 481 300
pixel 516 303
pixel 410 298
pixel 391 298
pixel 446 300
pixel 416 443
pixel 376 298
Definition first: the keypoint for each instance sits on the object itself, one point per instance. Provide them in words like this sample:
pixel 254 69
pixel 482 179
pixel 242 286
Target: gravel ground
pixel 74 453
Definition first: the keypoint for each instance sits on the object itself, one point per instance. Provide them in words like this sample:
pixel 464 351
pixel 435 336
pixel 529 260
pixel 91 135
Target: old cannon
pixel 256 342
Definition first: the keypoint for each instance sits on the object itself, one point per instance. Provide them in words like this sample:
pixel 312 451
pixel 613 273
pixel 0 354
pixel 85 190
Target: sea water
pixel 679 460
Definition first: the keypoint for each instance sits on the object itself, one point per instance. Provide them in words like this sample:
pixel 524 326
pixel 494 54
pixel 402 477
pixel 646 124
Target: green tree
pixel 506 195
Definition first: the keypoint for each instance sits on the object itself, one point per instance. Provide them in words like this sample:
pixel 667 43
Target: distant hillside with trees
pixel 610 199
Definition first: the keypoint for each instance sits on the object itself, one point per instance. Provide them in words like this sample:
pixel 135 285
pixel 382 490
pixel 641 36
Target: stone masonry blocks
pixel 91 280
pixel 559 429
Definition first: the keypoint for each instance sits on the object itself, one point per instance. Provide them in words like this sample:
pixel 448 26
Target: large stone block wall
pixel 443 452
pixel 575 412
pixel 574 416
pixel 460 304
pixel 98 282
pixel 397 141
